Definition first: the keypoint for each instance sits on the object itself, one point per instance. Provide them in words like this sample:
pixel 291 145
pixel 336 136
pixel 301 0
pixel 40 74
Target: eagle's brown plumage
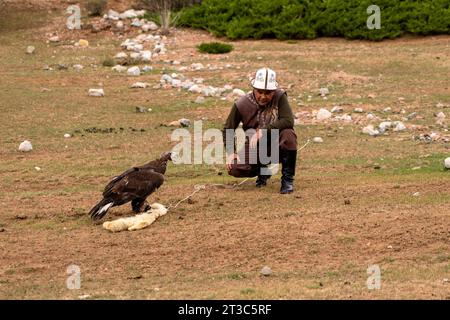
pixel 134 185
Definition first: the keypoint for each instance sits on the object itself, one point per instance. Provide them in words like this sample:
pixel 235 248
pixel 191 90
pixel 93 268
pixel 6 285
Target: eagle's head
pixel 168 155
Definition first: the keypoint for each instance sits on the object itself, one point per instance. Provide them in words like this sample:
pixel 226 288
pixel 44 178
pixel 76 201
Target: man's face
pixel 263 97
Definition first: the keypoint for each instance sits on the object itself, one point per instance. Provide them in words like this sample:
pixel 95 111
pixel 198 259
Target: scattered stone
pixel 371 96
pixel 388 109
pixel 345 117
pixel 151 26
pixel 323 114
pixel 389 247
pixel 440 115
pixel 197 66
pixel 62 66
pixel 77 67
pixel 37 168
pixel 119 68
pixel 54 39
pixel 30 49
pixel 323 92
pixel 200 99
pixel 83 43
pixel 317 140
pixel 84 296
pixel 399 126
pixel 411 115
pixel 347 202
pixel 384 126
pixel 416 168
pixel 447 163
pixel 266 271
pixel 25 146
pixel 238 92
pixel 358 110
pixel 146 56
pixel 185 122
pixel 416 194
pixel 141 110
pixel 134 71
pixel 96 93
pixel 139 85
pixel 337 109
pixel 370 116
pixel 370 130
pixel 67 135
pixel 21 217
pixel 147 69
pixel 121 56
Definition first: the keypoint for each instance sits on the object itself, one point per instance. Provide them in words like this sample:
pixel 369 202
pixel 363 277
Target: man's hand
pixel 230 160
pixel 255 138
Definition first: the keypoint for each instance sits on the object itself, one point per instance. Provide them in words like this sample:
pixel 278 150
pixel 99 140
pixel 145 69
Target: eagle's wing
pixel 136 184
pixel 114 180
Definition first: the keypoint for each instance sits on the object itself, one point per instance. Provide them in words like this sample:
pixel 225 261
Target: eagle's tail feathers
pixel 100 209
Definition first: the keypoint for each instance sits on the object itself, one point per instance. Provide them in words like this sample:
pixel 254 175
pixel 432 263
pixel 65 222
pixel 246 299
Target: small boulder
pixel 25 146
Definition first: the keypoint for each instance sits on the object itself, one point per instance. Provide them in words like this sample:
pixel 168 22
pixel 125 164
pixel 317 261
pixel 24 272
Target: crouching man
pixel 262 112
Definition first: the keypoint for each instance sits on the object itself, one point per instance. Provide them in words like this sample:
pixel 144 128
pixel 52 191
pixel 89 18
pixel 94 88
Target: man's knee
pixel 288 139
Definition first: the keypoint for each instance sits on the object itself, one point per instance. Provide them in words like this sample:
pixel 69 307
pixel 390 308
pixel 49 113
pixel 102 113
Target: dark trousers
pixel 287 141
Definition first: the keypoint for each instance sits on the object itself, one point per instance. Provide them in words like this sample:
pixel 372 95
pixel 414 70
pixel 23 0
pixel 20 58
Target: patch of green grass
pixel 236 276
pixel 248 291
pixel 215 47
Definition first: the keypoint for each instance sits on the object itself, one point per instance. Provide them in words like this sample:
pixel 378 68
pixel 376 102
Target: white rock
pixel 151 26
pixel 146 55
pixel 358 110
pixel 54 39
pixel 440 115
pixel 129 14
pixel 96 93
pixel 134 71
pixel 119 25
pixel 77 66
pixel 197 66
pixel 37 168
pixel 345 117
pixel 416 194
pixel 176 83
pixel 200 100
pixel 384 126
pixel 337 109
pixel 323 114
pixel 370 130
pixel 25 146
pixel 266 271
pixel 238 92
pixel 195 88
pixel 135 55
pixel 119 68
pixel 317 140
pixel 121 55
pixel 324 91
pixel 370 116
pixel 165 78
pixel 447 163
pixel 147 68
pixel 136 23
pixel 399 126
pixel 30 49
pixel 388 109
pixel 113 15
pixel 227 87
pixel 185 122
pixel 138 85
pixel 67 135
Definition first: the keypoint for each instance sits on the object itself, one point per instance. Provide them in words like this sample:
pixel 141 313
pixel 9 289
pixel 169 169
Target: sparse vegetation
pixel 215 47
pixel 96 7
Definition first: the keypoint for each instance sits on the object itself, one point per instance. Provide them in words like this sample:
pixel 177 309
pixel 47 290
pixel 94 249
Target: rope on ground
pixel 199 187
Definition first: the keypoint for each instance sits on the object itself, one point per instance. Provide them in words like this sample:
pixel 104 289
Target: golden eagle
pixel 134 185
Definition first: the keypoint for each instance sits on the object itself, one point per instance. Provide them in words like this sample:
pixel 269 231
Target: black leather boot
pixel 288 160
pixel 261 181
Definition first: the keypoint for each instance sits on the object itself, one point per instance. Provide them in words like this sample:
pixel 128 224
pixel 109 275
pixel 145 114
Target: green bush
pixel 309 19
pixel 96 7
pixel 215 47
pixel 108 62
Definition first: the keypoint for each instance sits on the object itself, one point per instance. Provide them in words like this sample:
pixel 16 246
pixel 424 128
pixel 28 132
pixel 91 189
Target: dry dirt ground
pixel 353 206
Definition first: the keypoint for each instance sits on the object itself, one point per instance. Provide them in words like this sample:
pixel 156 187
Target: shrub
pixel 308 19
pixel 108 62
pixel 96 7
pixel 214 47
